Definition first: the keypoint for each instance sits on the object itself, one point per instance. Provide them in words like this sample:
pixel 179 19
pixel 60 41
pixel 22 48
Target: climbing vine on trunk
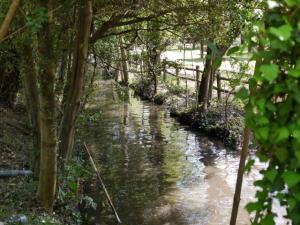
pixel 273 112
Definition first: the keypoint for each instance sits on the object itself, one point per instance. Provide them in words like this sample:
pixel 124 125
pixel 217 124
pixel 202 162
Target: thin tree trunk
pixel 202 49
pixel 124 61
pixel 74 93
pixel 239 182
pixel 219 85
pixel 30 84
pixel 204 85
pixel 8 18
pixel 48 158
pixel 211 84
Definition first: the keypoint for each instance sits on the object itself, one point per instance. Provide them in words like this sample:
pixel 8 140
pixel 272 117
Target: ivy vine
pixel 273 111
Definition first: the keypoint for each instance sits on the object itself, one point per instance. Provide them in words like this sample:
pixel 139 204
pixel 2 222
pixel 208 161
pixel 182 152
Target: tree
pixel 48 124
pixel 72 104
pixel 8 18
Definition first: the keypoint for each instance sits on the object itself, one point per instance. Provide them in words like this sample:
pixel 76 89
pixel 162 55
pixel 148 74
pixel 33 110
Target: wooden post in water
pixel 102 183
pixel 177 76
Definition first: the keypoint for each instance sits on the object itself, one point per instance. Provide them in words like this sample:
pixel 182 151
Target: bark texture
pixel 48 154
pixel 8 18
pixel 74 93
pixel 29 75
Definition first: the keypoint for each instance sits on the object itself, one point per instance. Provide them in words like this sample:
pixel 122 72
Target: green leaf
pixel 297 196
pixel 283 32
pixel 296 71
pixel 249 165
pixel 261 104
pixel 263 133
pixel 217 63
pixel 292 202
pixel 282 134
pixel 296 134
pixel 261 195
pixel 270 72
pixel 261 120
pixel 242 93
pixel 271 175
pixel 281 154
pixel 254 206
pixel 233 50
pixel 291 178
pixel 262 158
pixel 268 220
pixel 297 154
pixel 291 3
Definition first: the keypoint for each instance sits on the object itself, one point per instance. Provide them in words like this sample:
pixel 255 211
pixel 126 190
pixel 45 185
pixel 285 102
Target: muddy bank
pixel 224 123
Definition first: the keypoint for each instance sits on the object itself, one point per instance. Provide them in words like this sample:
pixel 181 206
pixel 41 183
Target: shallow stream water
pixel 157 171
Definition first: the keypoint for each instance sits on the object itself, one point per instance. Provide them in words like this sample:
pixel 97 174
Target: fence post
pixel 197 84
pixel 177 76
pixel 197 78
pixel 164 70
pixel 187 98
pixel 219 85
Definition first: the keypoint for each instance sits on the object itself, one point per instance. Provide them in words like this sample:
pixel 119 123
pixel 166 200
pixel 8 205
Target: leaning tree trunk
pixel 74 93
pixel 8 18
pixel 29 75
pixel 48 154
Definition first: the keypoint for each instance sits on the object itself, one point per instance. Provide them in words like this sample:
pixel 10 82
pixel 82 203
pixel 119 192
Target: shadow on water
pixel 157 171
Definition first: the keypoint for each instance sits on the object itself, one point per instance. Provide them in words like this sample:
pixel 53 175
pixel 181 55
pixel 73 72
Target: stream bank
pixel 223 122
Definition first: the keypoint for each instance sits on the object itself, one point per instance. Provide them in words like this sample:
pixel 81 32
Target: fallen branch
pixel 8 18
pixel 14 173
pixel 102 183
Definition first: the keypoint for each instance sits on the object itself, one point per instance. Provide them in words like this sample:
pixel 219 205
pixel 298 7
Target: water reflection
pixel 158 172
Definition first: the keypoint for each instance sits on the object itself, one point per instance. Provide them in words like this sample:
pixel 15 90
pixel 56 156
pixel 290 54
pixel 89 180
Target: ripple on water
pixel 160 173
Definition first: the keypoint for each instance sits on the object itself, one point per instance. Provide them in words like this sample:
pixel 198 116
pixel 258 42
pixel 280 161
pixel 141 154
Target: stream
pixel 157 171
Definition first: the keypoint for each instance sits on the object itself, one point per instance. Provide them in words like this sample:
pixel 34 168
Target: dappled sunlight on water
pixel 157 171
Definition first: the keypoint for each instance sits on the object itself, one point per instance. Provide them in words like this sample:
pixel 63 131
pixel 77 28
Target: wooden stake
pixel 102 183
pixel 239 181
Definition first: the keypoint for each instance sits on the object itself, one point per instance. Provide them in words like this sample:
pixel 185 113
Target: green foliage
pixel 36 19
pixel 70 192
pixel 273 111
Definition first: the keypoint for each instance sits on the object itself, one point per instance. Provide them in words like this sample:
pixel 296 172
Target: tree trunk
pixel 8 18
pixel 74 93
pixel 29 75
pixel 202 49
pixel 244 152
pixel 211 84
pixel 204 84
pixel 48 154
pixel 124 61
pixel 239 182
pixel 219 84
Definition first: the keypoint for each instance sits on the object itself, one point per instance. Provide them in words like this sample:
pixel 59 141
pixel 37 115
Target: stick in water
pixel 102 184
